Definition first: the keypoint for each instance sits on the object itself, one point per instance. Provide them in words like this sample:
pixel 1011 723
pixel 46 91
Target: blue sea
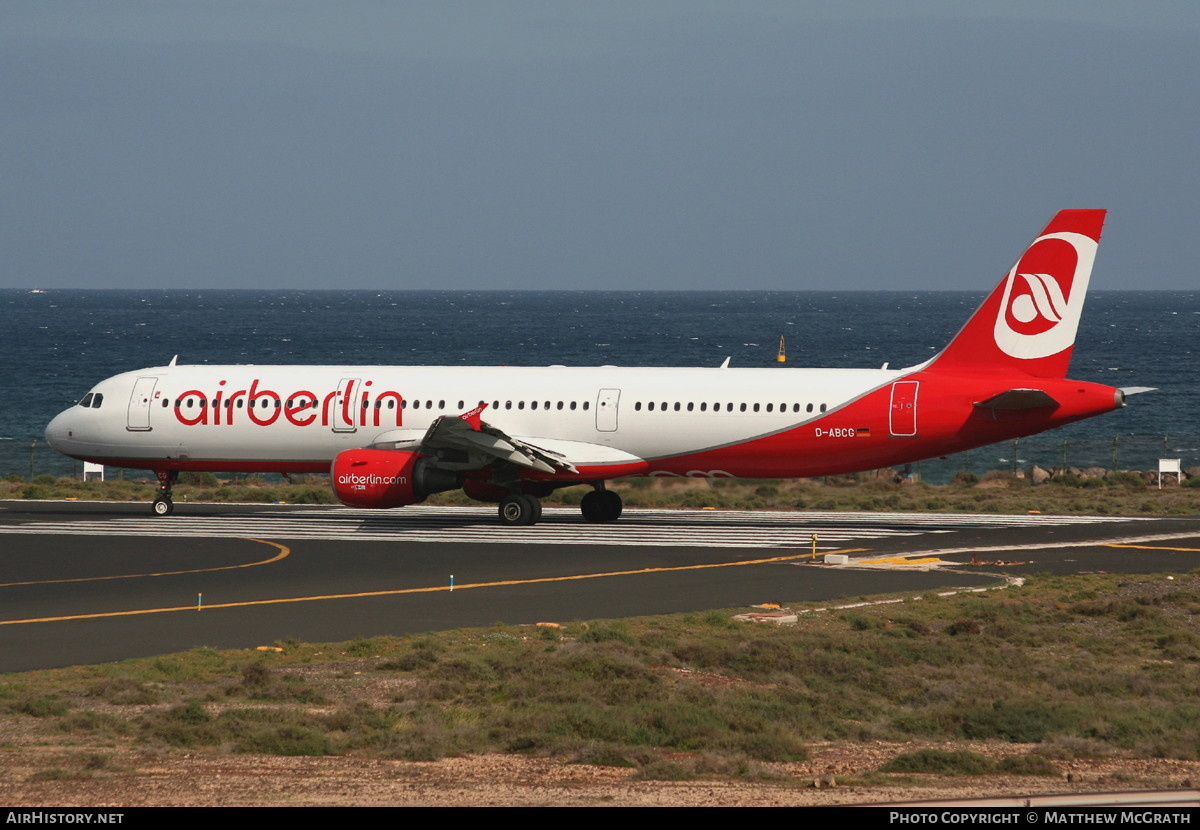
pixel 55 344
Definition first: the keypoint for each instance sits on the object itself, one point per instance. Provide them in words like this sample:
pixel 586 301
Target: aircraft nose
pixel 59 430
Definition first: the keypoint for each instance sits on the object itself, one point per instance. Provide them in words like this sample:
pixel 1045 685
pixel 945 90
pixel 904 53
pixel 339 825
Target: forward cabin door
pixel 606 410
pixel 902 417
pixel 138 415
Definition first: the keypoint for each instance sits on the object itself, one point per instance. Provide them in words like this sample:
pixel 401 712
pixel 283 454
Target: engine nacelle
pixel 386 478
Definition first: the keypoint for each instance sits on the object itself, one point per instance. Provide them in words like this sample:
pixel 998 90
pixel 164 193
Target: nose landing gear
pixel 163 506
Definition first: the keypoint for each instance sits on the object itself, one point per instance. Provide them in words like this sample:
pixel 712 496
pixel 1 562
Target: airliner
pixel 392 435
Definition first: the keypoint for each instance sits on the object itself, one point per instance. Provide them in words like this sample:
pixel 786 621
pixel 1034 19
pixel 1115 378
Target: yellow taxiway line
pixel 283 553
pixel 427 590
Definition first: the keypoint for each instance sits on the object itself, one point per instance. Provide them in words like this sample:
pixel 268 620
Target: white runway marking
pixel 559 526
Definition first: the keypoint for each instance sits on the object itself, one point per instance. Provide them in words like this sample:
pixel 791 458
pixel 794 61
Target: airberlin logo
pixel 1043 296
pixel 354 403
pixel 351 479
pixel 1035 307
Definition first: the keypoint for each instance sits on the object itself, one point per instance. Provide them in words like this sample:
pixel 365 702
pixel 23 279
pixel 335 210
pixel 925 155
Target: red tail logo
pixel 1028 323
pixel 1043 296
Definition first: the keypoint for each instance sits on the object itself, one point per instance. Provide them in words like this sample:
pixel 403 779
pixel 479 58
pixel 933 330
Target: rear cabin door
pixel 902 416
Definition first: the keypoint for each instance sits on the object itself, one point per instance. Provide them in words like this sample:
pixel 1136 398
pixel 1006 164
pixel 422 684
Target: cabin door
pixel 606 410
pixel 902 416
pixel 138 416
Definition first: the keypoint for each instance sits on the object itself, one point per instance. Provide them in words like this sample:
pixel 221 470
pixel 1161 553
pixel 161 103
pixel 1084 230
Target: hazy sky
pixel 593 145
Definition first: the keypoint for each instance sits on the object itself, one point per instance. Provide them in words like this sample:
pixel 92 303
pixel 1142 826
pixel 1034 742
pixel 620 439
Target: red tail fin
pixel 1029 322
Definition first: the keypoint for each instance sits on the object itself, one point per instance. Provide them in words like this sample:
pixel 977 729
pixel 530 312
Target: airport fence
pixel 1049 451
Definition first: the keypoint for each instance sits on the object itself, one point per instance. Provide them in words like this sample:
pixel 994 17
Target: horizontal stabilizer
pixel 1015 399
pixel 1137 390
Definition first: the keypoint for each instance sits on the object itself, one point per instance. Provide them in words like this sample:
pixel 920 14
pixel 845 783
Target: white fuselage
pixel 303 416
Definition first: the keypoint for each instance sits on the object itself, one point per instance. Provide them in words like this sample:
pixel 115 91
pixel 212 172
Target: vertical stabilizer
pixel 1029 321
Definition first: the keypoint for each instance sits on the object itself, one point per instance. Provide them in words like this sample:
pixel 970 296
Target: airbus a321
pixel 392 435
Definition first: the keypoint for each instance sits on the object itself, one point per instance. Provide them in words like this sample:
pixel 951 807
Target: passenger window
pixel 770 407
pixel 637 407
pixel 756 407
pixel 742 408
pixel 586 404
pixel 690 406
pixel 808 408
pixel 822 407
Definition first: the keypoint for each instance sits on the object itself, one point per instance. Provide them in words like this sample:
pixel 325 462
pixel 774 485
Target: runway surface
pixel 95 582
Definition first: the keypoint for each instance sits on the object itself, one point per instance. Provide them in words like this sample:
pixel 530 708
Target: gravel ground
pixel 128 780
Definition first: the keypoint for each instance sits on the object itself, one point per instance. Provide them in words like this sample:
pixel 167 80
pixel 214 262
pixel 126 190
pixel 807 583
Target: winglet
pixel 473 417
pixel 1029 321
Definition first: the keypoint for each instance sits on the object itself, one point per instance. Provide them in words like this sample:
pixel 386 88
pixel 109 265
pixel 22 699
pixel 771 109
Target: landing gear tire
pixel 601 506
pixel 163 506
pixel 519 509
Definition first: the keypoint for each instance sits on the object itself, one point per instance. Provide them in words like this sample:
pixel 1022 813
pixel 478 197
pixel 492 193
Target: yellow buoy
pixel 782 356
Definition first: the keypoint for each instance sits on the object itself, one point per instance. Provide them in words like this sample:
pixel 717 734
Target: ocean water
pixel 55 344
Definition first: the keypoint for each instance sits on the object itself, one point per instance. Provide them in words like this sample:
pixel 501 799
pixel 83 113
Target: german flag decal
pixel 862 432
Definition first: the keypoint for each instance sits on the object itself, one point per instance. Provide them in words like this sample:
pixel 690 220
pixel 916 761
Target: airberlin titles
pixel 302 408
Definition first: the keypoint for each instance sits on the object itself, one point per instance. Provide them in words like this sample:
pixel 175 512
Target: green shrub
pixel 941 762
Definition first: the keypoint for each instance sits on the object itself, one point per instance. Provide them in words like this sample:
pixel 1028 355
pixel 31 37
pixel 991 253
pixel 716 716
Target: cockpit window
pixel 87 399
pixel 97 400
pixel 92 400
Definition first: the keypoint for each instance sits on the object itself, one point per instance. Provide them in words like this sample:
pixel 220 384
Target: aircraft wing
pixel 468 433
pixel 473 435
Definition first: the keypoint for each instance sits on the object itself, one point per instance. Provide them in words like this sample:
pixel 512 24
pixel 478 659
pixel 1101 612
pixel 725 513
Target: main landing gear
pixel 600 505
pixel 520 509
pixel 163 506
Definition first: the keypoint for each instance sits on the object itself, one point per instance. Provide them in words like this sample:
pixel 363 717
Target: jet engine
pixel 386 478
